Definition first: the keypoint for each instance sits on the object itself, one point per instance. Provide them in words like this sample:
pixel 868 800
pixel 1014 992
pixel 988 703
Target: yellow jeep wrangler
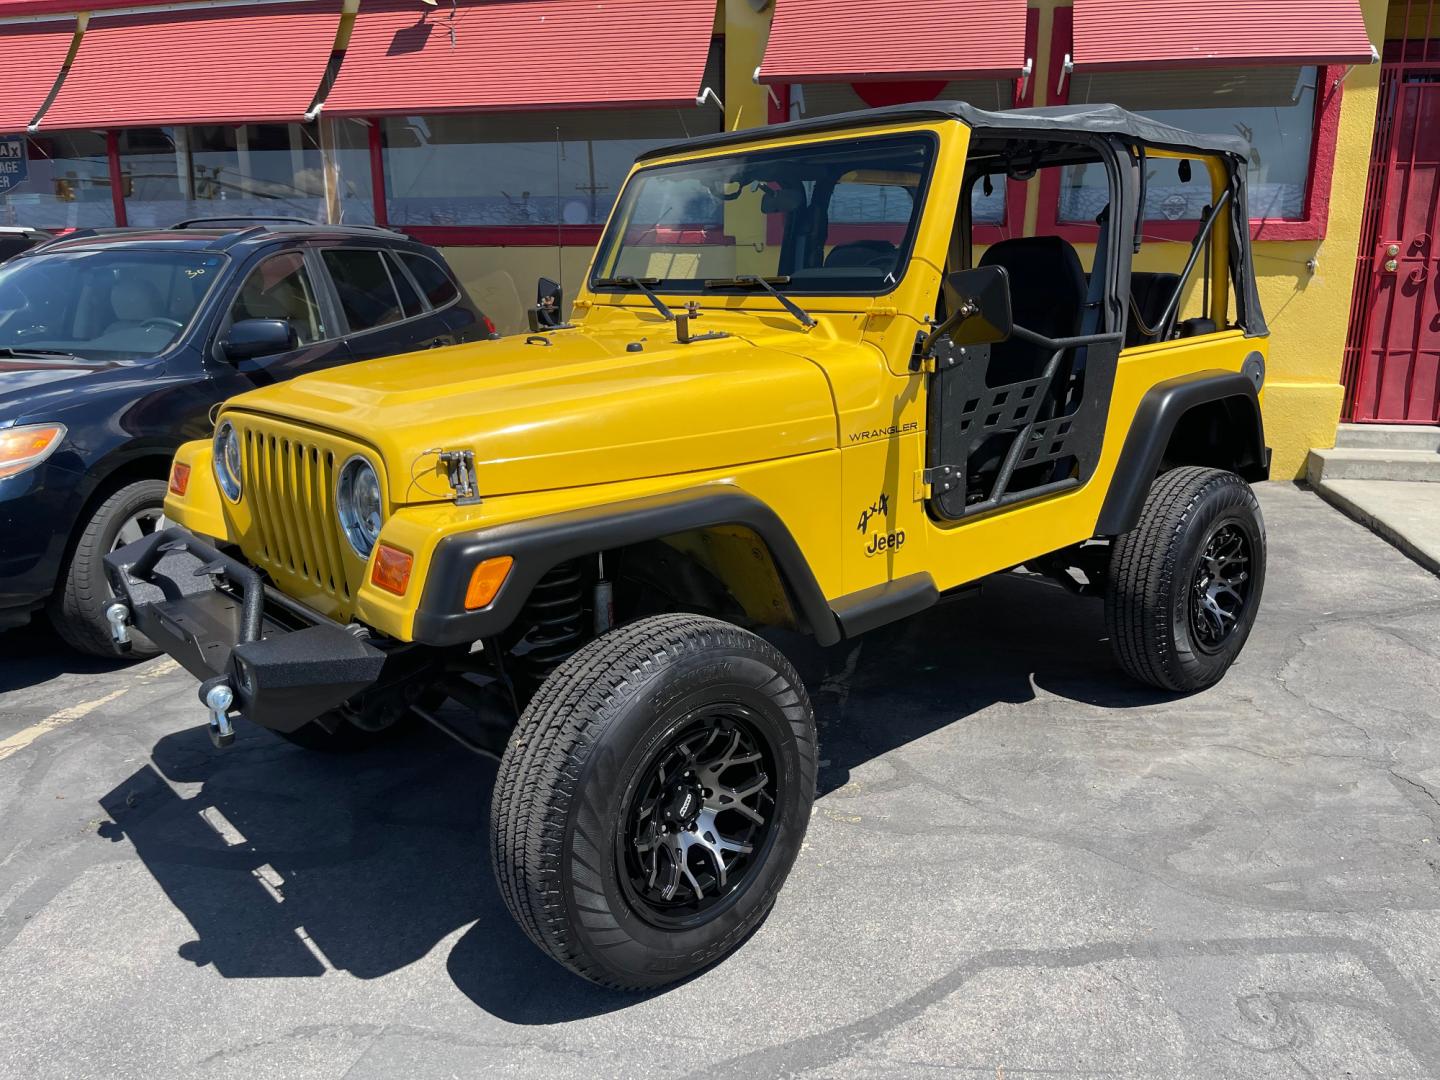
pixel 796 393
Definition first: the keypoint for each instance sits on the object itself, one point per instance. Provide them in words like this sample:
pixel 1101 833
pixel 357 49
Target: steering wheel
pixel 160 320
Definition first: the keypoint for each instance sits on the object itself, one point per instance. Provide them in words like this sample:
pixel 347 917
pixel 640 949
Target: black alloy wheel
pixel 701 818
pixel 1221 588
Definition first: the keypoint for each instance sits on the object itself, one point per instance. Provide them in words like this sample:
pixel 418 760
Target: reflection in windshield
pixel 830 217
pixel 107 304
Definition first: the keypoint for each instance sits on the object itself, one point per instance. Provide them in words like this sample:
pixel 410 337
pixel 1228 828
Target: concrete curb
pixel 1386 530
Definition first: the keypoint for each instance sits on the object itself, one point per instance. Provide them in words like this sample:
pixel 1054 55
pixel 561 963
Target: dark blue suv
pixel 115 347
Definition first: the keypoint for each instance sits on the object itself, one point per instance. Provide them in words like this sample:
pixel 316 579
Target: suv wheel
pixel 78 609
pixel 653 799
pixel 1185 583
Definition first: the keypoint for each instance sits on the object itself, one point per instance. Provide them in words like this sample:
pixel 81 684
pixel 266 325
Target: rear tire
pixel 1184 585
pixel 78 610
pixel 653 799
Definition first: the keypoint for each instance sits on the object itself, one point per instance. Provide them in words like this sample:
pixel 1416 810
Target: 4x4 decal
pixel 888 541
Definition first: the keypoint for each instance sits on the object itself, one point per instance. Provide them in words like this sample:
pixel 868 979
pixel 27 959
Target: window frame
pixel 1329 89
pixel 907 253
pixel 324 298
pixel 427 310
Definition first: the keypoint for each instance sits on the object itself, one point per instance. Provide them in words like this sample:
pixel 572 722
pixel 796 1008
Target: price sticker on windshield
pixel 14 162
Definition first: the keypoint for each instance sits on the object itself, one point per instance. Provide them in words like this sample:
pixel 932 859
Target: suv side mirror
pixel 250 339
pixel 982 313
pixel 545 315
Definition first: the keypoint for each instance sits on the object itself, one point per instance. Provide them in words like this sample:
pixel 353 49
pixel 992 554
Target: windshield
pixel 112 304
pixel 835 217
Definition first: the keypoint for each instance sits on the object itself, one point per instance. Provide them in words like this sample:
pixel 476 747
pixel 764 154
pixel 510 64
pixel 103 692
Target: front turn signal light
pixel 485 581
pixel 23 448
pixel 392 569
pixel 179 478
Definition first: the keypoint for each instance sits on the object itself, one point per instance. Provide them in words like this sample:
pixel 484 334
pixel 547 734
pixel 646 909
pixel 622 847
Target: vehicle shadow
pixel 287 863
pixel 35 654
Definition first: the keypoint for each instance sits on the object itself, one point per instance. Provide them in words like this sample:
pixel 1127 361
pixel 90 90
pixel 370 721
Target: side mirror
pixel 545 315
pixel 251 339
pixel 982 313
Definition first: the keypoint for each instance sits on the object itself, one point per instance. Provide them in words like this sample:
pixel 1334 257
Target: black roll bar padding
pixel 1202 239
pixel 252 585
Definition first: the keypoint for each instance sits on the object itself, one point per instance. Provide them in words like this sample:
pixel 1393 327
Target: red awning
pixel 861 40
pixel 34 54
pixel 404 57
pixel 223 65
pixel 1118 34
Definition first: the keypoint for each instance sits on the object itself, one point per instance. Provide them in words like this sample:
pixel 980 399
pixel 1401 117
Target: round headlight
pixel 358 501
pixel 225 453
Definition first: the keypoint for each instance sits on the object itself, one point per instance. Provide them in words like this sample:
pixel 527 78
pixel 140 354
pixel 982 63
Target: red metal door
pixel 1395 335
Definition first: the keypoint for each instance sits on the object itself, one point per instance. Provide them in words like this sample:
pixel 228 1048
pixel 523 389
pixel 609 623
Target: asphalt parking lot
pixel 1020 865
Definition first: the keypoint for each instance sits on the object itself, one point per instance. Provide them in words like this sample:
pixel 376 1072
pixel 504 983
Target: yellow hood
pixel 581 410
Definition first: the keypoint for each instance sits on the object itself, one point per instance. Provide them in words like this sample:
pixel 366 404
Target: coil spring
pixel 555 615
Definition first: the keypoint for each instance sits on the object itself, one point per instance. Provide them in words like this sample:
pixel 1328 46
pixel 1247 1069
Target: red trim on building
pixel 1122 35
pixel 862 40
pixel 117 183
pixel 377 172
pixel 1323 144
pixel 504 235
pixel 225 65
pixel 13 9
pixel 405 58
pixel 34 54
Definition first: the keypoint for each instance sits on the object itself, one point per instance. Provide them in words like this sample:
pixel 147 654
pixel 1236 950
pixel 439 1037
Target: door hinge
pixel 939 479
pixel 921 489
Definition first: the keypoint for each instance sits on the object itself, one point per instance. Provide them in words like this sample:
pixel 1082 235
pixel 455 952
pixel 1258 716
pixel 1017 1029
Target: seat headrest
pixel 879 254
pixel 135 300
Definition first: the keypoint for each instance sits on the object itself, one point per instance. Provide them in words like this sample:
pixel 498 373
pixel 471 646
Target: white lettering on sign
pixel 12 150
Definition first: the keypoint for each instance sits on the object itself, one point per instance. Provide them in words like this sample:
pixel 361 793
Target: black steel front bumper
pixel 280 663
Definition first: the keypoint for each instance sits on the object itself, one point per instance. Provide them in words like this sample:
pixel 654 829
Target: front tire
pixel 78 610
pixel 653 799
pixel 1184 585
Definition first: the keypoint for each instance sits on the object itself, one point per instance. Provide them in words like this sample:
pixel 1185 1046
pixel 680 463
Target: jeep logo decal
pixel 885 542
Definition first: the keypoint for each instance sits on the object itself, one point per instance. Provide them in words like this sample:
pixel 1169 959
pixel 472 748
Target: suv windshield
pixel 835 217
pixel 110 304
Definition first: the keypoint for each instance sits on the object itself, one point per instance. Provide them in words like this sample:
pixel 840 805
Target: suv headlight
pixel 358 502
pixel 225 453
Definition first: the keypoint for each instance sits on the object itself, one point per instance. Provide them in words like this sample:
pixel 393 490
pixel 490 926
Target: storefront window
pixel 826 99
pixel 1273 108
pixel 354 179
pixel 506 169
pixel 67 184
pixel 170 174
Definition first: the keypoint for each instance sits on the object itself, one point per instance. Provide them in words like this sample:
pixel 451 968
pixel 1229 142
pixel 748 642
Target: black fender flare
pixel 1155 420
pixel 540 544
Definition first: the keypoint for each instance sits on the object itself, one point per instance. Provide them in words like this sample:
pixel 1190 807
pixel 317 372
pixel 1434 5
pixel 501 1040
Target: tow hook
pixel 118 616
pixel 217 698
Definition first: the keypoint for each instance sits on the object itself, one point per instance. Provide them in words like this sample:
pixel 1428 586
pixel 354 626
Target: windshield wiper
pixel 641 283
pixel 22 354
pixel 768 284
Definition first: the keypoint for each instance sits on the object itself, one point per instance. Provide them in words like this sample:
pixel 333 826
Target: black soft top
pixel 1056 119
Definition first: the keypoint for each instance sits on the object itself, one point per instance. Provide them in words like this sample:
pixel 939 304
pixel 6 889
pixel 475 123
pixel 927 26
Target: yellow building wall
pixel 1305 285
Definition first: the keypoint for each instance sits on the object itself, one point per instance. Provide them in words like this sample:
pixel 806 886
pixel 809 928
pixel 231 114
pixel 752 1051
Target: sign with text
pixel 14 162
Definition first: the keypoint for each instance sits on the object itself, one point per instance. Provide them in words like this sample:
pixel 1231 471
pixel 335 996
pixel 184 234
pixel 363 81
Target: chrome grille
pixel 290 483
